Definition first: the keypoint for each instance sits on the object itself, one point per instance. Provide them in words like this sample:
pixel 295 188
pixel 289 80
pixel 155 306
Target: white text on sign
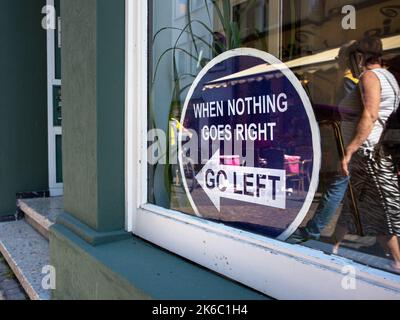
pixel 261 105
pixel 261 186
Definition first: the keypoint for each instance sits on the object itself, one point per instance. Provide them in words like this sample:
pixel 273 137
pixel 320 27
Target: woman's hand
pixel 345 165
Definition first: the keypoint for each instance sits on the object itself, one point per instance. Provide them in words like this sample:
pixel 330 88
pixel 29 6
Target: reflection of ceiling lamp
pixel 264 71
pixel 256 74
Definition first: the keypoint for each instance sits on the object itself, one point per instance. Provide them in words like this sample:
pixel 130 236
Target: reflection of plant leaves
pixel 189 17
pixel 227 21
pixel 185 75
pixel 179 29
pixel 219 13
pixel 174 49
pixel 233 39
pixel 177 42
pixel 208 11
pixel 185 88
pixel 249 5
pixel 236 39
pixel 224 17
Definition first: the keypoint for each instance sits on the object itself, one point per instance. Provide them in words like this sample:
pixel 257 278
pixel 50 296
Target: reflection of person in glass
pixel 337 186
pixel 372 170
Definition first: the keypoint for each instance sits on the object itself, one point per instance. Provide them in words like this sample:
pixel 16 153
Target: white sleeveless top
pixel 351 108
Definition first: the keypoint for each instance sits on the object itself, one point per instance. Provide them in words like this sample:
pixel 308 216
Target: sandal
pixel 393 267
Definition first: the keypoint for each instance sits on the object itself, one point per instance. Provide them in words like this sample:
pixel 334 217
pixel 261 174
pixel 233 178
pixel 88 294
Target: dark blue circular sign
pixel 252 156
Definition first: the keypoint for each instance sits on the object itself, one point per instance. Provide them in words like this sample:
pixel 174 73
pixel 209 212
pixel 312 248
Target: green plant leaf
pixel 227 21
pixel 189 19
pixel 233 39
pixel 174 49
pixel 208 11
pixel 236 38
pixel 179 29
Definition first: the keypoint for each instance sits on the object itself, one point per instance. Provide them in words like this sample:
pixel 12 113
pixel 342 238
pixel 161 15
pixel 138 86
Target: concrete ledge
pixel 26 252
pixel 133 270
pixel 89 235
pixel 41 213
pixel 35 219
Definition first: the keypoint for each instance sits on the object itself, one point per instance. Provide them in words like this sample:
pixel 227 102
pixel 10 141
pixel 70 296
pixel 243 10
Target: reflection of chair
pixel 231 160
pixel 293 165
pixel 298 171
pixel 307 155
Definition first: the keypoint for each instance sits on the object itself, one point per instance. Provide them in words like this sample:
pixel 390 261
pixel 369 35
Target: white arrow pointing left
pixel 252 185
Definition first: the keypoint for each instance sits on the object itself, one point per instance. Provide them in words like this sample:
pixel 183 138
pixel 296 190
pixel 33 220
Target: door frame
pixel 56 188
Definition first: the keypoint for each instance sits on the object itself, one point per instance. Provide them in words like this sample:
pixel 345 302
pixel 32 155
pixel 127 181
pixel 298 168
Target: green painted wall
pixel 79 109
pixel 93 111
pixel 111 114
pixel 23 101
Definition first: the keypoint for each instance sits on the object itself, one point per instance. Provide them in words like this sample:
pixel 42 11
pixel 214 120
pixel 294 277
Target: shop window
pixel 307 36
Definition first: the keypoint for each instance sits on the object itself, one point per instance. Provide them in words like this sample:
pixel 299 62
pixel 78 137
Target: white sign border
pixel 316 139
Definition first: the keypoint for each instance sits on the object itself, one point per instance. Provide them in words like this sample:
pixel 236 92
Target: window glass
pixel 338 50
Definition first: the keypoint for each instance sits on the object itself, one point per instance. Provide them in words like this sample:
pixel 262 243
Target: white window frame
pixel 56 188
pixel 277 269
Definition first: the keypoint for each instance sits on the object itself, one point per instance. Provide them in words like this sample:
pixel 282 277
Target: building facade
pixel 143 84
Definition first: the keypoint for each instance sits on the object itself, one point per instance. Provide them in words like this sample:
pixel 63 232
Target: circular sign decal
pixel 252 158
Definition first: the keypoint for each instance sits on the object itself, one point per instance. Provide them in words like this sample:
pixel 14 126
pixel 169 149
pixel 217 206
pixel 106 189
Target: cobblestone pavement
pixel 10 288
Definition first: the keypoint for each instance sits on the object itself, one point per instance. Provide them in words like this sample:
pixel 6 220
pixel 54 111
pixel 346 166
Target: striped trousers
pixel 376 187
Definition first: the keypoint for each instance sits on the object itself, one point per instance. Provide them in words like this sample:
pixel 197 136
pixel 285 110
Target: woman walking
pixel 371 167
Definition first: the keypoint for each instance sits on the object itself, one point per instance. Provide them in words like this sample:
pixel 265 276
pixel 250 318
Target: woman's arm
pixel 371 95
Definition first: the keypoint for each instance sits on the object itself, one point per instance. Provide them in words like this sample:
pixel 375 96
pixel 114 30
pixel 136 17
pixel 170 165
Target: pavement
pixel 10 289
